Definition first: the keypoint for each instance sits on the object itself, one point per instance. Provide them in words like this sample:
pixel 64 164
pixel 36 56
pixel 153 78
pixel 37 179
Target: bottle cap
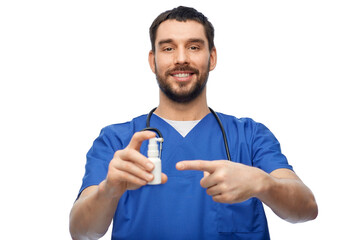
pixel 153 149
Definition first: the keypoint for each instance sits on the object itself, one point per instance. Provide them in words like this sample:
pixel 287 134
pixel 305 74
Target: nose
pixel 181 56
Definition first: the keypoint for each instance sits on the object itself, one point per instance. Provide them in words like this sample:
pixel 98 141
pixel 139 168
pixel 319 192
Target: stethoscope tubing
pixel 148 128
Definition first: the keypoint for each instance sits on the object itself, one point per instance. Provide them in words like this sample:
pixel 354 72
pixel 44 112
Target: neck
pixel 194 110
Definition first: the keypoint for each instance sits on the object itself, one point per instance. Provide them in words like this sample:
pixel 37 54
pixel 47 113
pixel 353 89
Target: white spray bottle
pixel 153 155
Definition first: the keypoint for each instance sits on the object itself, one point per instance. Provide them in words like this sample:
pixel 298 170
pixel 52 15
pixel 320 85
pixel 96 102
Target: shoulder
pixel 124 127
pixel 244 127
pixel 122 132
pixel 244 122
pixel 116 129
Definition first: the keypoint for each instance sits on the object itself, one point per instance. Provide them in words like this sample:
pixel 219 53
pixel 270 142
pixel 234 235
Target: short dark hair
pixel 182 14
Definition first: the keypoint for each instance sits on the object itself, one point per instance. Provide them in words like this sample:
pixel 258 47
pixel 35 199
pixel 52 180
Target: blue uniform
pixel 181 209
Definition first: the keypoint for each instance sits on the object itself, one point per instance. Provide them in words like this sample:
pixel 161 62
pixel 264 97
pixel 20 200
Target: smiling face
pixel 182 59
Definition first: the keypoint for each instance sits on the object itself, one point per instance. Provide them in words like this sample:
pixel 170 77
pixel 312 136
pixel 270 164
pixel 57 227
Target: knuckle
pixel 225 198
pixel 217 198
pixel 227 187
pixel 199 165
pixel 208 192
pixel 220 177
pixel 121 175
pixel 112 165
pixel 125 165
pixel 118 153
pixel 126 154
pixel 202 183
pixel 224 165
pixel 123 153
pixel 223 188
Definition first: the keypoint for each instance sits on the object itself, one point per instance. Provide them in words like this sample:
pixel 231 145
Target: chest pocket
pixel 245 217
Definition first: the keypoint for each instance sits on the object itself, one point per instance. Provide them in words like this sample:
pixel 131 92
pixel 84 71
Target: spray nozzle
pixel 153 150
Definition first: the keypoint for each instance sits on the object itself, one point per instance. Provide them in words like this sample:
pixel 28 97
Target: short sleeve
pixel 98 159
pixel 266 151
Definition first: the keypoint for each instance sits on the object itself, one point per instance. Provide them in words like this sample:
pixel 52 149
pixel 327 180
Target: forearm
pixel 289 198
pixel 92 214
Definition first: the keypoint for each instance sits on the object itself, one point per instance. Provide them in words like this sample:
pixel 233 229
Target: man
pixel 202 195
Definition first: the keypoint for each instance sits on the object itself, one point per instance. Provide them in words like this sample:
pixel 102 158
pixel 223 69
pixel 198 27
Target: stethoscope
pixel 148 128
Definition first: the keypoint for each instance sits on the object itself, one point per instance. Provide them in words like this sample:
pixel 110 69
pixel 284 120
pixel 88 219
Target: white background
pixel 69 68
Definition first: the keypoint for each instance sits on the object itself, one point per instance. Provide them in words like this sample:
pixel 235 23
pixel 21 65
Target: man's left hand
pixel 228 182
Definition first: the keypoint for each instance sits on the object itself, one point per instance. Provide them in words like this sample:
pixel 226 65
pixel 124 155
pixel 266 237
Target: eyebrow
pixel 191 40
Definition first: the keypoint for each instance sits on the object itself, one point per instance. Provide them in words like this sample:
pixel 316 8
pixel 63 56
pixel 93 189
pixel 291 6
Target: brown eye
pixel 194 48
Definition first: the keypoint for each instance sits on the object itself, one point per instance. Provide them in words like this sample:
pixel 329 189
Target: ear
pixel 152 60
pixel 213 58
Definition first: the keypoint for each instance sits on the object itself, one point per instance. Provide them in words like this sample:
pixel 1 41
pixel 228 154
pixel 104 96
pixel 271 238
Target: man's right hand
pixel 129 169
pixel 93 212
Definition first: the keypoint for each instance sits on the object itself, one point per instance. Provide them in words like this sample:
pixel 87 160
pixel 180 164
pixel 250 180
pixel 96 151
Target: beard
pixel 182 95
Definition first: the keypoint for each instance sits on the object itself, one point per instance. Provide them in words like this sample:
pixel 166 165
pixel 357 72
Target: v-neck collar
pixel 183 127
pixel 166 125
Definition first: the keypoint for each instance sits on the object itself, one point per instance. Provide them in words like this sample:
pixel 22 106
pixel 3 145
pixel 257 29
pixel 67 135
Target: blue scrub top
pixel 181 209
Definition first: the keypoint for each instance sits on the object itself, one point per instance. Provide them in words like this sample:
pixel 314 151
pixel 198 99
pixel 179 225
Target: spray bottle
pixel 154 157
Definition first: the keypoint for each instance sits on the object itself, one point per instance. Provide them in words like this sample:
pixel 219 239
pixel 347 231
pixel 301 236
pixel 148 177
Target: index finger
pixel 139 137
pixel 200 165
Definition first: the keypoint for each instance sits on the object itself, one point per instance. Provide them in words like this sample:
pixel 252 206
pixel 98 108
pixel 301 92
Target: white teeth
pixel 182 75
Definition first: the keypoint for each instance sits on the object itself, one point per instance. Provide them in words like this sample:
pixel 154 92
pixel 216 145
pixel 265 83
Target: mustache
pixel 182 68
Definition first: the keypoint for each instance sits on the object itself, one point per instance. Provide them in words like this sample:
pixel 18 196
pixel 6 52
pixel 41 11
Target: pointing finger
pixel 200 165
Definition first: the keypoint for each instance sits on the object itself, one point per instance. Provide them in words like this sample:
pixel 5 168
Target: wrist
pixel 264 186
pixel 105 191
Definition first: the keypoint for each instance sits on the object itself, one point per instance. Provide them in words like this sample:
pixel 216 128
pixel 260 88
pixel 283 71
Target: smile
pixel 181 75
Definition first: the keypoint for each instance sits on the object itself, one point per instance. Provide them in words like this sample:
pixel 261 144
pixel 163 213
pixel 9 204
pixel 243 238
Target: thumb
pixel 164 178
